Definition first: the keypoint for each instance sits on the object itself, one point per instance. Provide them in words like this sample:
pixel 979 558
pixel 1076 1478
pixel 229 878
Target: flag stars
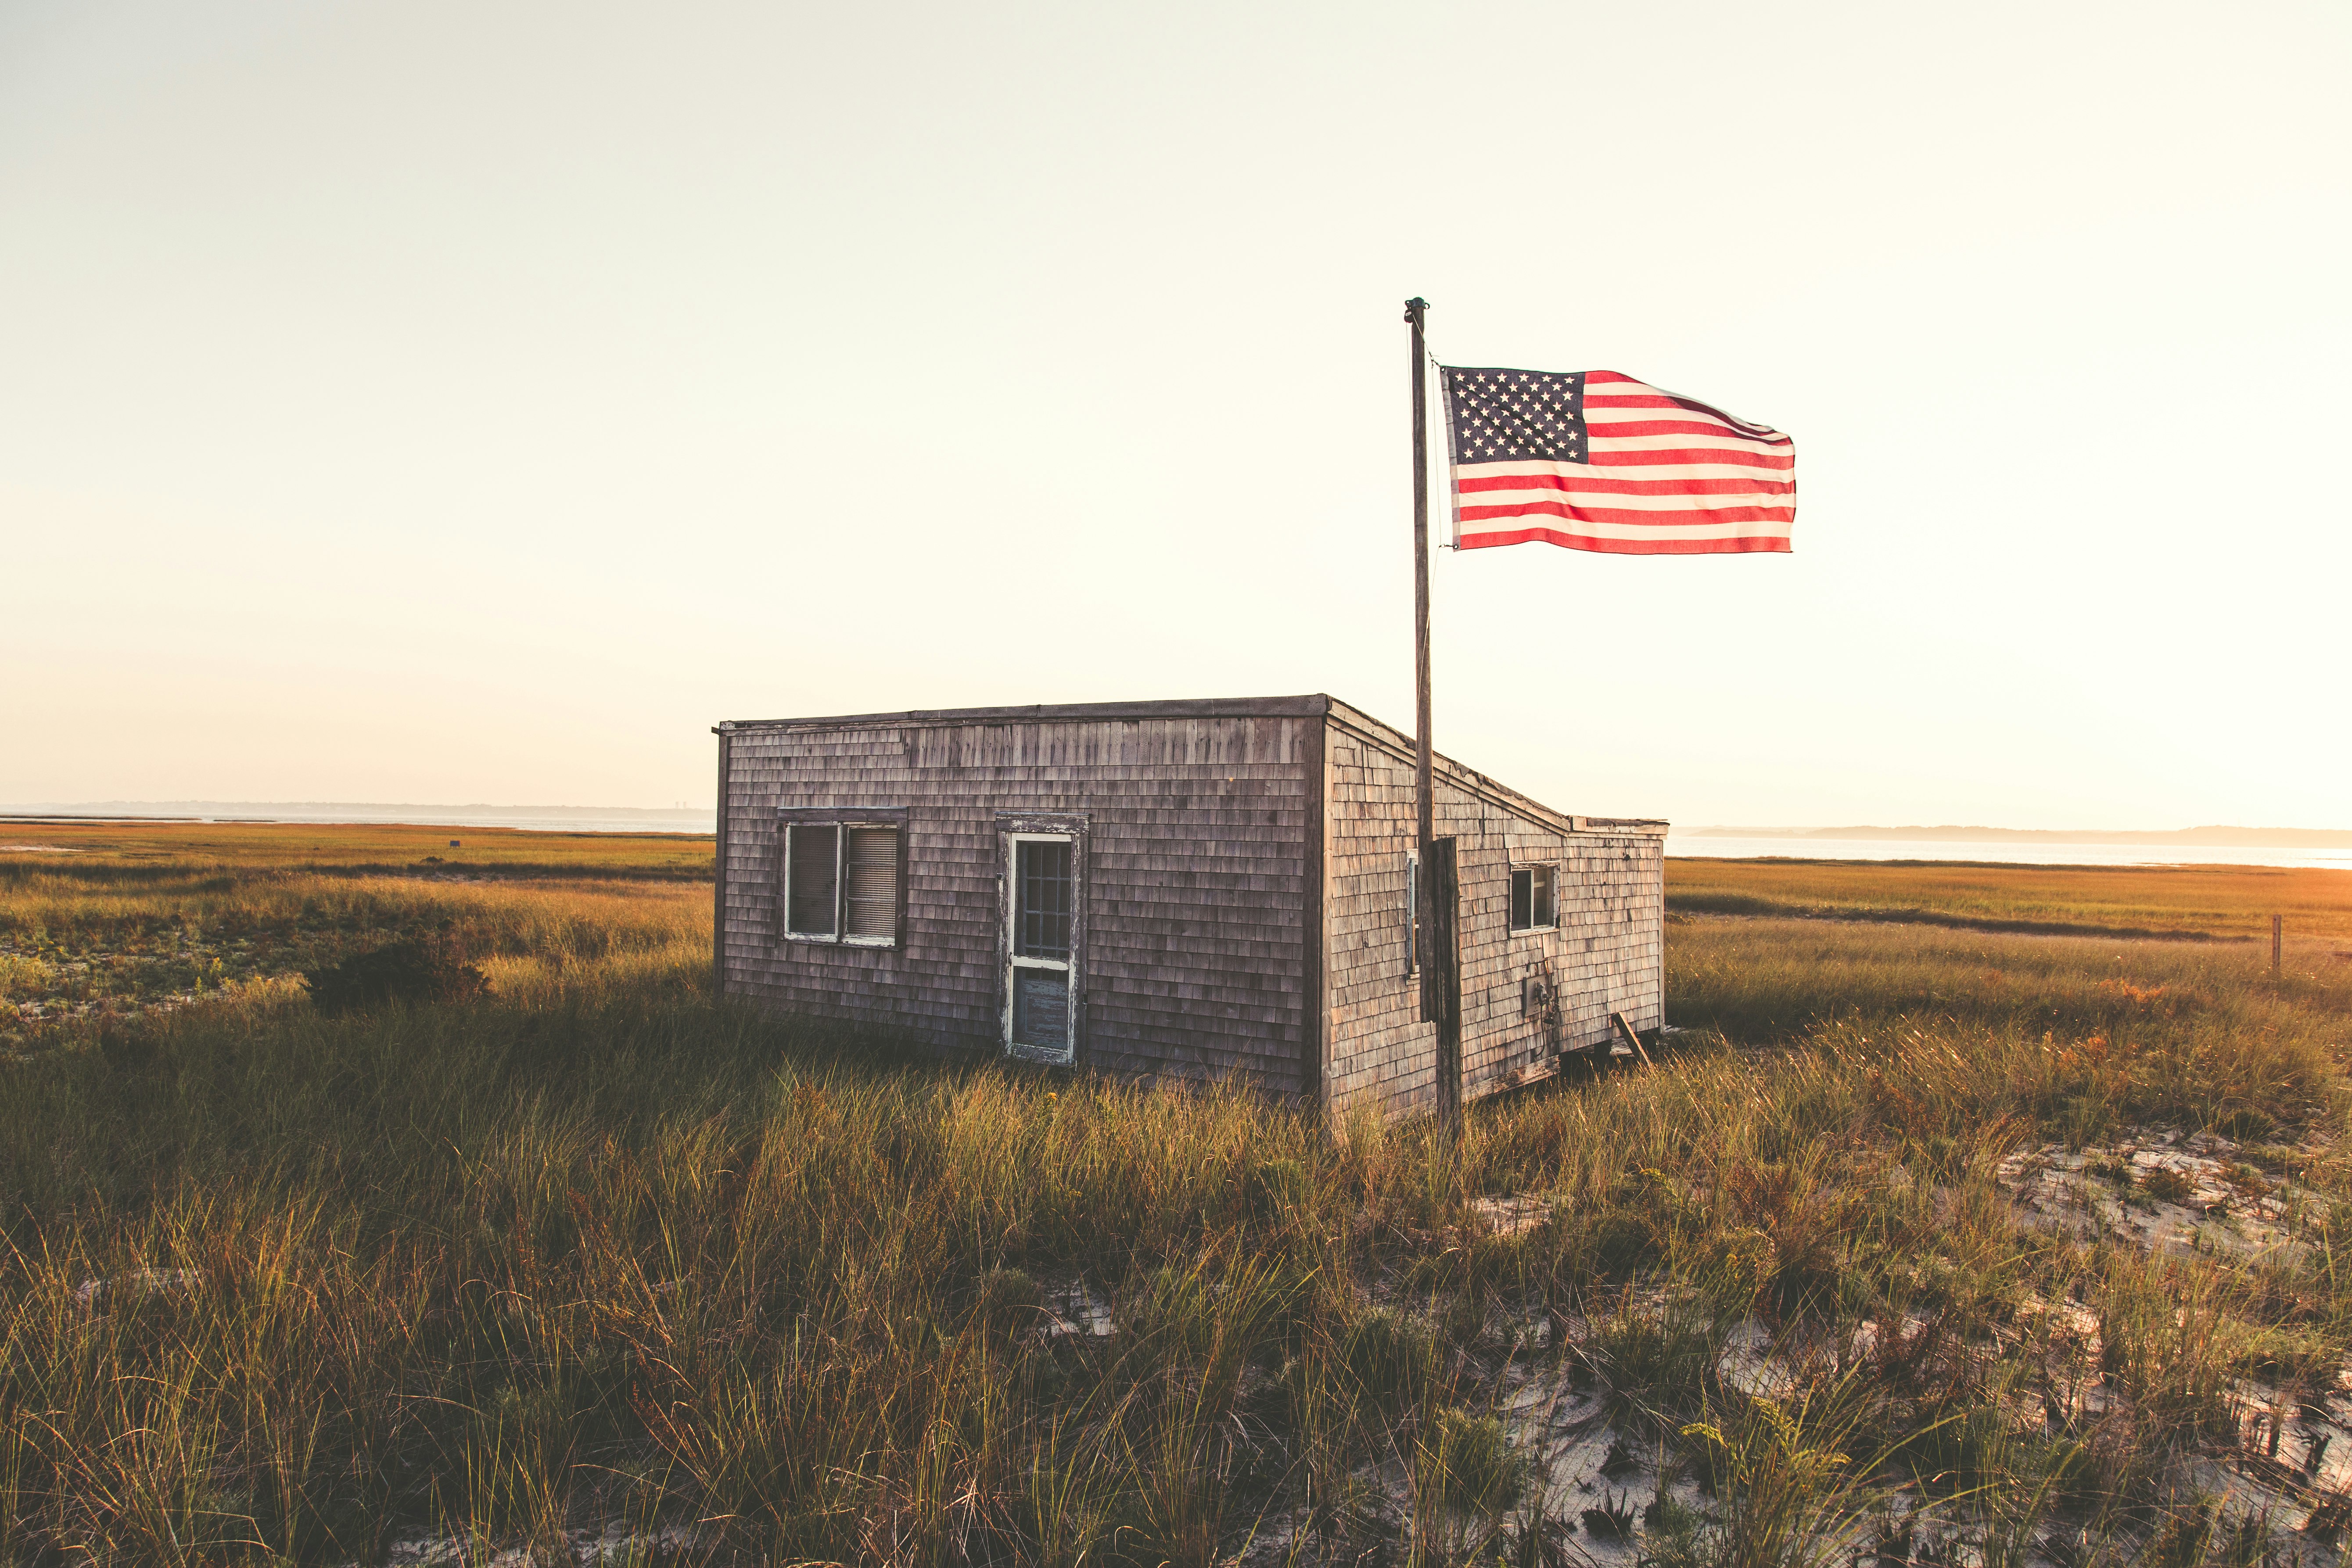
pixel 1518 414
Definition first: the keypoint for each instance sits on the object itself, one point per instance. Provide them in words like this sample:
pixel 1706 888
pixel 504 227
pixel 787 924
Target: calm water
pixel 2039 853
pixel 529 818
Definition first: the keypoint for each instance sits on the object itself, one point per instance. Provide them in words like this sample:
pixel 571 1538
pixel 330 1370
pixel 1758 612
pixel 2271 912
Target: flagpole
pixel 1413 310
pixel 1434 899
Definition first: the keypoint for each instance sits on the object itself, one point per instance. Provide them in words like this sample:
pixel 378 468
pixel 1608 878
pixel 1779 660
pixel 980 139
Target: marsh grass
pixel 79 955
pixel 597 1249
pixel 128 856
pixel 2231 903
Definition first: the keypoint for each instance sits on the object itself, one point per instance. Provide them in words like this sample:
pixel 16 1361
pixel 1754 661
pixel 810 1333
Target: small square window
pixel 1531 898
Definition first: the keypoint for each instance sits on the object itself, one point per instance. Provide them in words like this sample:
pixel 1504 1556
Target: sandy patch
pixel 2157 1191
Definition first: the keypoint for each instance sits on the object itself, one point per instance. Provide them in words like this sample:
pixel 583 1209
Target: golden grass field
pixel 2220 901
pixel 115 920
pixel 598 1268
pixel 245 848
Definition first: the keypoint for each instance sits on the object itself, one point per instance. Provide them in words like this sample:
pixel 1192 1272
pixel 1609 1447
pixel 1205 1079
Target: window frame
pixel 843 820
pixel 1511 899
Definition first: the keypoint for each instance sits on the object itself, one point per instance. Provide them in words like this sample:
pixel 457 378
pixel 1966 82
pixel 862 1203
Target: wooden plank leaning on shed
pixel 1626 1033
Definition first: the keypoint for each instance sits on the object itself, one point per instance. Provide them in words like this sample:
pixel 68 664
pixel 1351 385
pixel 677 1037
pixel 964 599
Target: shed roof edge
pixel 1312 705
pixel 1463 776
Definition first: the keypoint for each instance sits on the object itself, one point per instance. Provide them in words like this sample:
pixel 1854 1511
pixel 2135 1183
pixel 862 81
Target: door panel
pixel 1041 1011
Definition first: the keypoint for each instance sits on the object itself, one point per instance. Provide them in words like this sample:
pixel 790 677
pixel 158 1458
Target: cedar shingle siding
pixel 1604 956
pixel 1244 894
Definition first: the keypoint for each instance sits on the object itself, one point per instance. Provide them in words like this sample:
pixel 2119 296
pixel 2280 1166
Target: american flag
pixel 1596 460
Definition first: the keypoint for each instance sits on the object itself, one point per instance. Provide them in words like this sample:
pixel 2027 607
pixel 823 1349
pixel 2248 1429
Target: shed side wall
pixel 1197 873
pixel 1606 954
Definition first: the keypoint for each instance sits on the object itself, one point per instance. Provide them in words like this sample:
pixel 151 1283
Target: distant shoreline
pixel 2209 837
pixel 2327 848
pixel 487 814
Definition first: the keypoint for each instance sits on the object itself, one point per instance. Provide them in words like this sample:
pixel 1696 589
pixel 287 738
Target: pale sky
pixel 477 401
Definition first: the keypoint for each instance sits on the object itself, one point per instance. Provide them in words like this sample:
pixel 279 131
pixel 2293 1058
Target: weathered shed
pixel 1192 889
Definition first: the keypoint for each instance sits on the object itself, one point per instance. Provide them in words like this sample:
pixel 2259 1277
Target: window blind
pixel 871 867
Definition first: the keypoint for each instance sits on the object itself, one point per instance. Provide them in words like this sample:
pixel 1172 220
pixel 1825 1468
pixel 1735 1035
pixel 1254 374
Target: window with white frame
pixel 842 877
pixel 1532 897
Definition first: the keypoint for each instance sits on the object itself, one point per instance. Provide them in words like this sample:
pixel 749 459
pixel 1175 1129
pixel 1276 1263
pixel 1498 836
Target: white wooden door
pixel 1042 873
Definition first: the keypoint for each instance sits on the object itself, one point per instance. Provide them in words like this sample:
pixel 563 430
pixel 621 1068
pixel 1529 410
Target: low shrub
pixel 2169 1187
pixel 1391 1356
pixel 1005 1299
pixel 1481 1472
pixel 1620 1241
pixel 422 969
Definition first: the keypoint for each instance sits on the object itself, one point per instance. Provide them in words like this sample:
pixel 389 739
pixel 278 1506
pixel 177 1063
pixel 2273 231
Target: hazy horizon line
pixel 2282 836
pixel 60 807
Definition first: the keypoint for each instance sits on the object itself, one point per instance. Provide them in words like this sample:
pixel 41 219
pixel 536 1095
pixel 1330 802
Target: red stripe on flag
pixel 1593 485
pixel 1783 515
pixel 1746 544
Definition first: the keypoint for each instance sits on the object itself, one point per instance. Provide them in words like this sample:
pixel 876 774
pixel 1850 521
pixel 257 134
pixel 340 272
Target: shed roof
pixel 1309 706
